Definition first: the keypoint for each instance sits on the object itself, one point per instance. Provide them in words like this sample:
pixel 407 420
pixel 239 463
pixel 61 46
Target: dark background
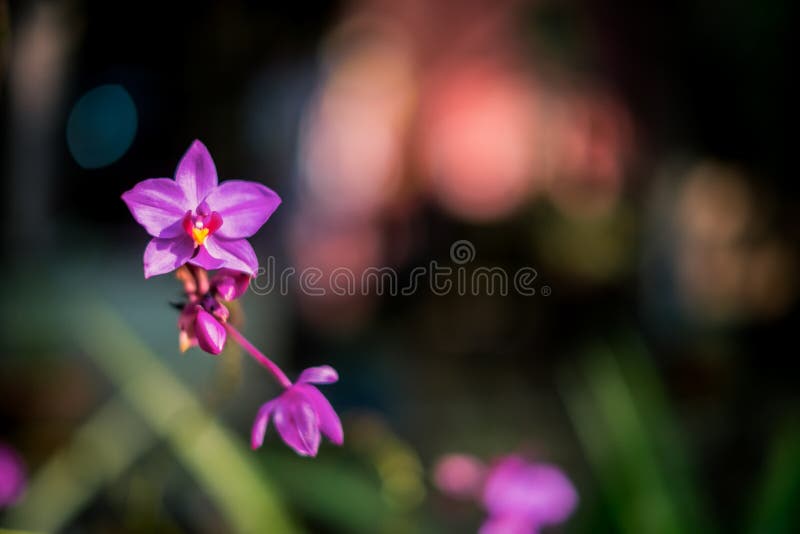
pixel 659 372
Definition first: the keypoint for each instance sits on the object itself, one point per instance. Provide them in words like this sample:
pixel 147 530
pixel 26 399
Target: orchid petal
pixel 158 204
pixel 165 255
pixel 260 424
pixel 539 492
pixel 324 374
pixel 196 174
pixel 244 206
pixel 235 254
pixel 501 492
pixel 297 424
pixel 329 423
pixel 554 497
pixel 203 259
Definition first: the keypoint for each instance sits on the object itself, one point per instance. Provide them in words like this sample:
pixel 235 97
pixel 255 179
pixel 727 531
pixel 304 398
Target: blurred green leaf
pixel 624 424
pixel 99 451
pixel 776 505
pixel 152 404
pixel 111 440
pixel 330 493
pixel 220 461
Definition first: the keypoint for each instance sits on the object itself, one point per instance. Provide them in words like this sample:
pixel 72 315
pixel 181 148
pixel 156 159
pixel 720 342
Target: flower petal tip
pixel 305 453
pixel 196 173
pixel 323 374
pixel 149 272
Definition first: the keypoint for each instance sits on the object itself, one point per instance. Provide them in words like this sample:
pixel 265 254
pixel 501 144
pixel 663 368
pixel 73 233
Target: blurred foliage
pixel 114 437
pixel 623 421
pixel 775 507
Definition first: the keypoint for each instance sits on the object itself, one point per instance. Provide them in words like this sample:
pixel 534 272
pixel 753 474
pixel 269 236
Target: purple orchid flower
pixel 522 497
pixel 301 413
pixel 196 220
pixel 198 225
pixel 12 476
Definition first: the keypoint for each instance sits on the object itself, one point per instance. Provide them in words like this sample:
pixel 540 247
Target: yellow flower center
pixel 199 235
pixel 199 227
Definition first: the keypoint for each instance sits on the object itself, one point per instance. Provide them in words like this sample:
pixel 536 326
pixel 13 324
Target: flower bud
pixel 210 333
pixel 229 284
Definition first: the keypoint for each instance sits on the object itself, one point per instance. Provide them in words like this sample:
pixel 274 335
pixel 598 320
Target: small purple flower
pixel 301 413
pixel 12 476
pixel 193 219
pixel 522 497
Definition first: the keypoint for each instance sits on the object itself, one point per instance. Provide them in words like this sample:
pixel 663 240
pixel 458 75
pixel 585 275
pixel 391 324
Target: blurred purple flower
pixel 193 219
pixel 522 497
pixel 12 476
pixel 509 524
pixel 301 413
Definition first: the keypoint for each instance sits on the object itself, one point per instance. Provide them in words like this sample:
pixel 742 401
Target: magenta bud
pixel 230 284
pixel 210 333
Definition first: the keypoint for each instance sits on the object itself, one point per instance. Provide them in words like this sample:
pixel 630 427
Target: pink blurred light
pixel 478 135
pixel 330 245
pixel 353 135
pixel 590 143
pixel 459 475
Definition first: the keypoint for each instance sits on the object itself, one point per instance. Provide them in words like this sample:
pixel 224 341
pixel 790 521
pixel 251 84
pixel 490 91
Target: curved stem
pixel 258 356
